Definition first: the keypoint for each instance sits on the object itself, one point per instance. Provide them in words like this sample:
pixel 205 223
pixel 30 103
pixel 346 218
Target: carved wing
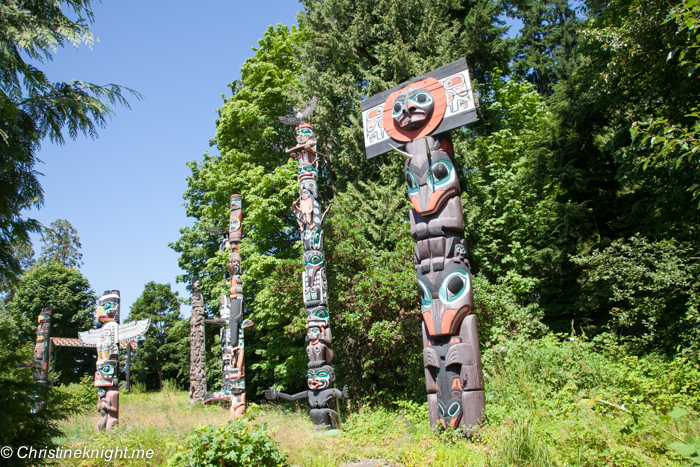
pixel 91 337
pixel 289 119
pixel 133 330
pixel 309 108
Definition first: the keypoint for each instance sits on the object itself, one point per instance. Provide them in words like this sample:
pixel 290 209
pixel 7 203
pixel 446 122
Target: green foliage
pixel 234 444
pixel 583 402
pixel 61 245
pixel 19 424
pixel 32 107
pixel 75 397
pixel 164 352
pixel 650 290
pixel 546 43
pixel 67 292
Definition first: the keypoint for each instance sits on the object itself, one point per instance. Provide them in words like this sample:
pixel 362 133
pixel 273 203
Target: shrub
pixel 235 444
pixel 75 398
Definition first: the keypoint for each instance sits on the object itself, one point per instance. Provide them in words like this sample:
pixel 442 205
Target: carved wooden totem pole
pixel 42 354
pixel 198 361
pixel 307 210
pixel 418 114
pixel 106 340
pixel 231 333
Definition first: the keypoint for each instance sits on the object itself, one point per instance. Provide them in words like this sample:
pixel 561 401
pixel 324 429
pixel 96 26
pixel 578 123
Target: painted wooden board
pixel 459 109
pixel 75 342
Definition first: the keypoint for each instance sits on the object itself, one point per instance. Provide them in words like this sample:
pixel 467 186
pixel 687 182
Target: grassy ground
pixel 550 402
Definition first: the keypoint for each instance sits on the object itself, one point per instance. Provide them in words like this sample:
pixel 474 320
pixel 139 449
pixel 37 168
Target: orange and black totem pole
pixel 419 115
pixel 320 376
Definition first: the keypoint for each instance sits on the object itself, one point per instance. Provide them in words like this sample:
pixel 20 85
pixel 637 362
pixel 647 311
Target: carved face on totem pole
pixel 318 315
pixel 320 378
pixel 314 332
pixel 304 133
pixel 431 177
pixel 413 108
pixel 108 307
pixel 315 284
pixel 234 227
pixel 446 297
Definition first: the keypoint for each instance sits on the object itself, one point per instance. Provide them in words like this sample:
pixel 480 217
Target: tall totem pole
pixel 42 354
pixel 231 312
pixel 198 359
pixel 106 340
pixel 418 114
pixel 307 210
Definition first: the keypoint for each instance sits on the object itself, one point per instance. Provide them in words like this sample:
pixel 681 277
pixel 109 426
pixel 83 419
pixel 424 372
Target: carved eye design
pixel 454 286
pixel 323 374
pixel 398 105
pixel 411 182
pixel 454 409
pixel 422 99
pixel 323 314
pixel 441 409
pixel 425 298
pixel 442 172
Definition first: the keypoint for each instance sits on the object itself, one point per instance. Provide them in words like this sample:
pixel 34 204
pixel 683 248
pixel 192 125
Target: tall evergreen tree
pixel 160 354
pixel 61 245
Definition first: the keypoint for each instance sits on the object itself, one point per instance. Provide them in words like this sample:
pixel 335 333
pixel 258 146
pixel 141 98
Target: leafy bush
pixel 650 289
pixel 75 398
pixel 235 444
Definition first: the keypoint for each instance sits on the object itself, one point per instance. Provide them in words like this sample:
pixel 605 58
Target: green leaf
pixel 677 413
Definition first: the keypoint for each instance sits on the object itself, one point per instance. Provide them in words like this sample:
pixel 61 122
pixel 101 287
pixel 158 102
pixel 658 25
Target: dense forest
pixel 579 186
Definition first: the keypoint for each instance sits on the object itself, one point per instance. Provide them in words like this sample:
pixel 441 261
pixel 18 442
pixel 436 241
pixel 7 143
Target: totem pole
pixel 106 340
pixel 307 210
pixel 419 115
pixel 232 345
pixel 198 368
pixel 42 355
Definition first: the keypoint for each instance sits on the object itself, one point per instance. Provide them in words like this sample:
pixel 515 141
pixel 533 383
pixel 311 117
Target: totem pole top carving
pixel 435 102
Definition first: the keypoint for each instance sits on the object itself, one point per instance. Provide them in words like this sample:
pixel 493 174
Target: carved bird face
pixel 446 297
pixel 431 181
pixel 108 307
pixel 413 108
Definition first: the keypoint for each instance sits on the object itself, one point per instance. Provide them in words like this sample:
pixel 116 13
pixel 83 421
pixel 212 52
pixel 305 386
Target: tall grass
pixel 550 402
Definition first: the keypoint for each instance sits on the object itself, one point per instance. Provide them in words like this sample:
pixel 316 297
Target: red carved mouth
pixel 413 116
pixel 314 384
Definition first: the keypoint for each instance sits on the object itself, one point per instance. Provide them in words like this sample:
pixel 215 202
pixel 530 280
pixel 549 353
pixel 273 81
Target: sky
pixel 123 191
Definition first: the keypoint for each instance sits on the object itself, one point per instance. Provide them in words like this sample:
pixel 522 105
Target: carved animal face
pixel 450 402
pixel 320 378
pixel 446 297
pixel 108 307
pixel 413 108
pixel 319 314
pixel 432 180
pixel 44 316
pixel 106 374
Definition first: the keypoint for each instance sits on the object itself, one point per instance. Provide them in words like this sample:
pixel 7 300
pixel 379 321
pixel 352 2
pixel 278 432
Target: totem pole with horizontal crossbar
pixel 107 340
pixel 308 213
pixel 418 115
